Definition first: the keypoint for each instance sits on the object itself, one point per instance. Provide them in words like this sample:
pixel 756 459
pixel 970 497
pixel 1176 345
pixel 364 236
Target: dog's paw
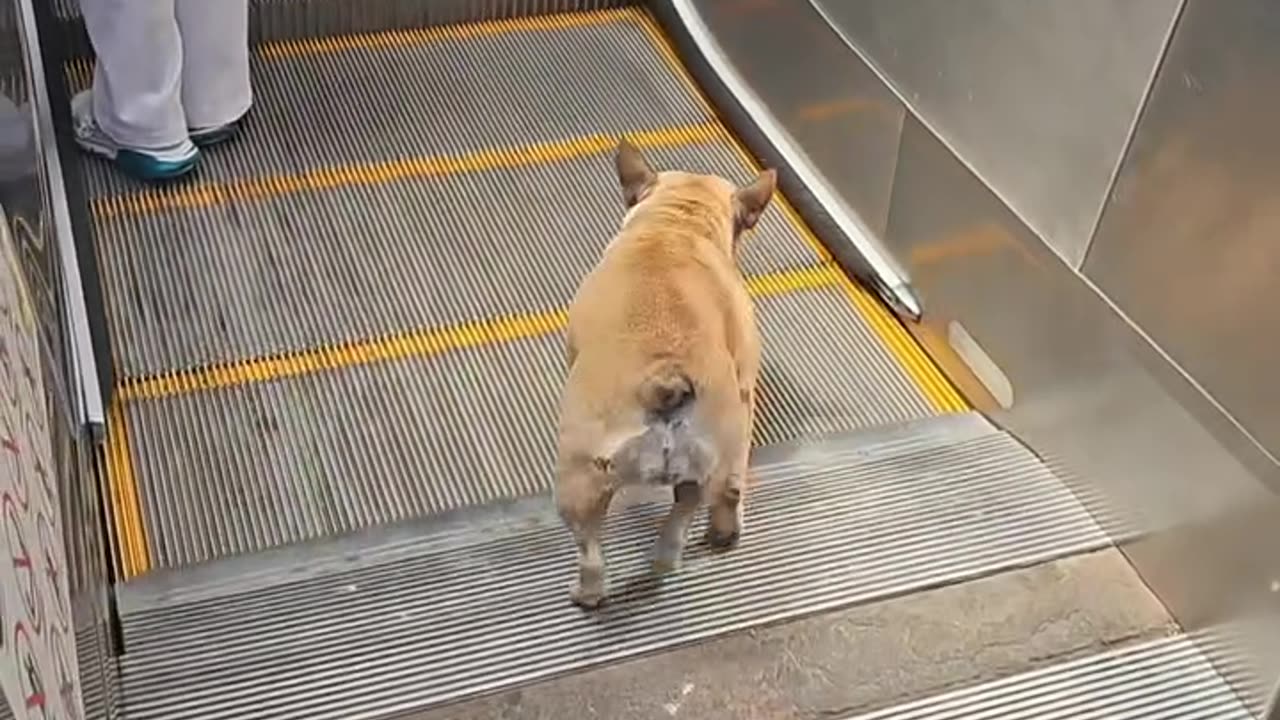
pixel 666 557
pixel 722 540
pixel 588 598
pixel 665 564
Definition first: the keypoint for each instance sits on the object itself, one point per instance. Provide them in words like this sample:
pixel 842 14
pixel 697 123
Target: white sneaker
pixel 149 164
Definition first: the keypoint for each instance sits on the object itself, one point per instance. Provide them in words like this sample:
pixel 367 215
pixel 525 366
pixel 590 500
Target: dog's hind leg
pixel 728 490
pixel 727 493
pixel 582 498
pixel 675 531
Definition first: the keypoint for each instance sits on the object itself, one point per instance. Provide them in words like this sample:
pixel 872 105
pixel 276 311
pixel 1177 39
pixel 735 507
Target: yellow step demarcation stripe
pixel 418 343
pixel 122 484
pixel 153 200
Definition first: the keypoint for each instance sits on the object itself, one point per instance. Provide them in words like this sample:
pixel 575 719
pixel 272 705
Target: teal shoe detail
pixel 149 167
pixel 149 164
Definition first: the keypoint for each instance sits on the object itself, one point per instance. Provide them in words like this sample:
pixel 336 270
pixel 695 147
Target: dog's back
pixel 663 358
pixel 655 329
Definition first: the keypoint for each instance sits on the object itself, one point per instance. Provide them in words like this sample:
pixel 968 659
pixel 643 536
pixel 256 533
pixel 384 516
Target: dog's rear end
pixel 663 357
pixel 674 447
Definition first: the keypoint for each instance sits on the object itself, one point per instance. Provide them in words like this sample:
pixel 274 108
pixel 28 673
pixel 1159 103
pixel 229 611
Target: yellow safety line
pixel 402 38
pixel 420 343
pixel 937 389
pixel 126 508
pixel 152 200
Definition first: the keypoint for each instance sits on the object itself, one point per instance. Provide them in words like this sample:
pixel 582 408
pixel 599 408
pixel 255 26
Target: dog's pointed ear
pixel 749 203
pixel 634 172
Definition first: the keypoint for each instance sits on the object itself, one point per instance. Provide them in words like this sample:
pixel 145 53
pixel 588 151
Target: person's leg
pixel 133 114
pixel 215 75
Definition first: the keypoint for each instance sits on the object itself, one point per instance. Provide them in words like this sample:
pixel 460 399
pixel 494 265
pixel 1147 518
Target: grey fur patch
pixel 666 453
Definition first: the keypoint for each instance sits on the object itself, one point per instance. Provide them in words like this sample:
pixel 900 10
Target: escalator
pixel 338 351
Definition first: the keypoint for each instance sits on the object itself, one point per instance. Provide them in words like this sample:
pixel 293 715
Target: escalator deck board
pixel 352 315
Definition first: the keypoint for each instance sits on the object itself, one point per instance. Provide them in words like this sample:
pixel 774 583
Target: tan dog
pixel 663 354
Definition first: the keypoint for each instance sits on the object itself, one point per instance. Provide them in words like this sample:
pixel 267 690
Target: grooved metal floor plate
pixel 1166 679
pixel 193 287
pixel 485 609
pixel 247 467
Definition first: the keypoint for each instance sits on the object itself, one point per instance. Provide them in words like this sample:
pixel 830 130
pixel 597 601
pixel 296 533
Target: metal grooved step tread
pixel 829 525
pixel 397 209
pixel 373 260
pixel 325 453
pixel 1167 679
pixel 352 316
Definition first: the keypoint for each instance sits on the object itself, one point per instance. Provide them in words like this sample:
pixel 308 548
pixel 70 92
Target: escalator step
pixel 319 269
pixel 353 316
pixel 484 605
pixel 251 465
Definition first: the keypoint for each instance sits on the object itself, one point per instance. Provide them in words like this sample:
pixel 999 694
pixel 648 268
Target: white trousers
pixel 166 66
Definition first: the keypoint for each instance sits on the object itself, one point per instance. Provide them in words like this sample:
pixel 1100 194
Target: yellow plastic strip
pixel 937 389
pixel 422 343
pixel 126 508
pixel 153 200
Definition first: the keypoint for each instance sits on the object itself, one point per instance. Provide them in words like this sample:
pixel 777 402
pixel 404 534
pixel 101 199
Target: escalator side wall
pixel 54 619
pixel 1178 480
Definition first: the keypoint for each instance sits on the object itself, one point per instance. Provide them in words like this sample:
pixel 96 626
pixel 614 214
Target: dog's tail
pixel 666 390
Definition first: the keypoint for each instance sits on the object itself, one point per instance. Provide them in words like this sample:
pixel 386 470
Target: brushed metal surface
pixel 463 617
pixel 844 117
pixel 852 238
pixel 1187 247
pixel 1156 460
pixel 1167 679
pixel 1037 97
pixel 80 363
